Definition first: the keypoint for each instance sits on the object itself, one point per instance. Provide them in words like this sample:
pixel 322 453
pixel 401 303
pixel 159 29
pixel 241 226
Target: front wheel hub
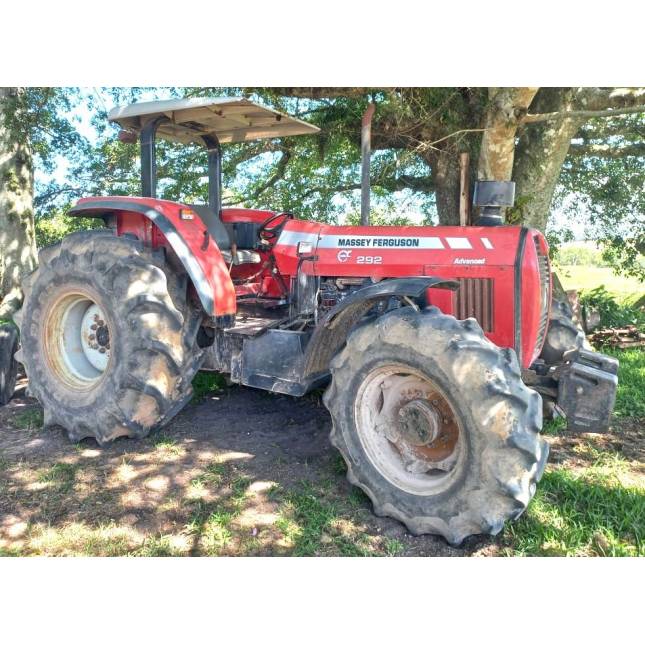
pixel 419 423
pixel 408 429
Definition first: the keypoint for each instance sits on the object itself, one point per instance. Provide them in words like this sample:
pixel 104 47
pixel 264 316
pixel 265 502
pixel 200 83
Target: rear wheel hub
pixel 77 341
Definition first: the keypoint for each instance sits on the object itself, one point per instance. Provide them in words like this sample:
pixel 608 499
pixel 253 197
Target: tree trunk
pixel 446 179
pixel 507 106
pixel 17 234
pixel 539 156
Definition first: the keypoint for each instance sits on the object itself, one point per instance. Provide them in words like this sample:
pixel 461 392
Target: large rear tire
pixel 108 337
pixel 435 423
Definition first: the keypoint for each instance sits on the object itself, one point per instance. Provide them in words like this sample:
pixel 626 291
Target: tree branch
pixel 325 92
pixel 581 114
pixel 280 170
pixel 607 151
pixel 603 98
pixel 419 184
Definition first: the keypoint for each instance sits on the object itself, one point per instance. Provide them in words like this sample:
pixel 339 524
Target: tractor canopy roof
pixel 230 119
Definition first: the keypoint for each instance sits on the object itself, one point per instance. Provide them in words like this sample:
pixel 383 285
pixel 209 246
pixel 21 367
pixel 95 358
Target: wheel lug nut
pixel 91 337
pixel 93 327
pixel 102 350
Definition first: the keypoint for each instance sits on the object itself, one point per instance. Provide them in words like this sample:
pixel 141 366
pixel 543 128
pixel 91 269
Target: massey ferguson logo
pixel 344 255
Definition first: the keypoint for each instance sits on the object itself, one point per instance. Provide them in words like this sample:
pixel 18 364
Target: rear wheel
pixel 435 423
pixel 108 337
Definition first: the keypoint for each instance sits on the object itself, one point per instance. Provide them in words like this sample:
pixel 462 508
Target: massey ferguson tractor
pixel 437 345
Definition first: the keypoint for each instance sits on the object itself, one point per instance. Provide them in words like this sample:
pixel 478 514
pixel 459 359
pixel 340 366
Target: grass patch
pixel 164 443
pixel 61 475
pixel 213 475
pixel 160 546
pixel 28 420
pixel 393 547
pixel 206 383
pixel 630 397
pixel 583 513
pixel 10 552
pixel 588 277
pixel 316 525
pixel 79 539
pixel 210 522
pixel 553 427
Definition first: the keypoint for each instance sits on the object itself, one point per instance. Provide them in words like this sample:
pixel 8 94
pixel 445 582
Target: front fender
pixel 188 238
pixel 331 332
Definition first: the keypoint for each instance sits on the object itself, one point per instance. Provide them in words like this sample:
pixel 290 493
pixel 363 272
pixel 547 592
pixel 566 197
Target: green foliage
pixel 379 218
pixel 613 313
pixel 206 383
pixel 630 397
pixel 39 115
pixel 610 191
pixel 580 255
pixel 53 228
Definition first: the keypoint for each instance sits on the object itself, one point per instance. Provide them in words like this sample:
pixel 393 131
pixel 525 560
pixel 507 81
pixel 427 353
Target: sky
pixel 81 117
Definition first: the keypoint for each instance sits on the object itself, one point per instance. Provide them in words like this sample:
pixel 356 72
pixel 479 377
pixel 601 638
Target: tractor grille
pixel 474 299
pixel 545 295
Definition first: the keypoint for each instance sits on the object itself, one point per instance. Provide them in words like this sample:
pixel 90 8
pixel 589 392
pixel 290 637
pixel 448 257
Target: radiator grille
pixel 545 295
pixel 474 299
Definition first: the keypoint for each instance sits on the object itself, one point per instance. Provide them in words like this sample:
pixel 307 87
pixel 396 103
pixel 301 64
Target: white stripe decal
pixel 486 243
pixel 291 238
pixel 459 243
pixel 379 242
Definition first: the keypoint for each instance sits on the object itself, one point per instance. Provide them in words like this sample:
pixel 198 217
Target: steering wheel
pixel 268 233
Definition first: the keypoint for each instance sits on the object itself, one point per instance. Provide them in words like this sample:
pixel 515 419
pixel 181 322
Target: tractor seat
pixel 224 235
pixel 242 256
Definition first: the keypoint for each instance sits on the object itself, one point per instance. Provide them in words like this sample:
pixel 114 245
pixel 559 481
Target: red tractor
pixel 434 343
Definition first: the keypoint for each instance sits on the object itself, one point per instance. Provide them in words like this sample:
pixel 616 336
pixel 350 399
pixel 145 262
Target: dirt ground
pixel 243 472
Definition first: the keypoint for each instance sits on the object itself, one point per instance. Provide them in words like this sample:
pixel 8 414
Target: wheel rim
pixel 409 429
pixel 77 341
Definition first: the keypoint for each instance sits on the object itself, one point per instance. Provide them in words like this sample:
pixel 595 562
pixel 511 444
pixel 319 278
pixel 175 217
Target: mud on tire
pixel 149 354
pixel 490 471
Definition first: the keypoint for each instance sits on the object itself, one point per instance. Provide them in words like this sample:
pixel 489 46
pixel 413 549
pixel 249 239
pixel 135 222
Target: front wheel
pixel 435 423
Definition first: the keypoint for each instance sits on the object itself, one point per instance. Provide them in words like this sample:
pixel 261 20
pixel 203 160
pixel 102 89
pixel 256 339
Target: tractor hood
pixel 230 119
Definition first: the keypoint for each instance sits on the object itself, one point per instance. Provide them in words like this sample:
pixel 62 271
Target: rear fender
pixel 160 223
pixel 331 333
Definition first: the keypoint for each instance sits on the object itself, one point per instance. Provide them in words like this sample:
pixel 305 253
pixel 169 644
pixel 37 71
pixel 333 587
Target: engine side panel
pixel 497 268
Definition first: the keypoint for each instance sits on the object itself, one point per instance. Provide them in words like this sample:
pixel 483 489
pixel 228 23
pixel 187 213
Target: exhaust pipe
pixel 493 197
pixel 366 139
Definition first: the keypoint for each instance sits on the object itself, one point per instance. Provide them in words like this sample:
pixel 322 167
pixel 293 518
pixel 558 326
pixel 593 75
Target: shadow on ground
pixel 244 472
